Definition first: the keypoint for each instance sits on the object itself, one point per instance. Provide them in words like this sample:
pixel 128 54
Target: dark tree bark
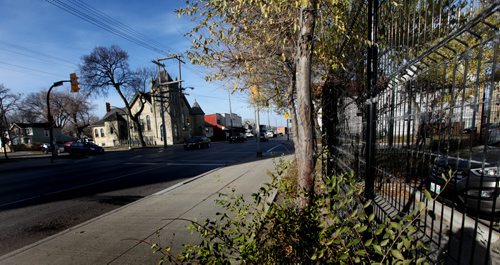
pixel 304 123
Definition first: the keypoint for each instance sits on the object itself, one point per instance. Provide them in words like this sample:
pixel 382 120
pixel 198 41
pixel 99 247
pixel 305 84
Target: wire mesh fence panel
pixel 437 124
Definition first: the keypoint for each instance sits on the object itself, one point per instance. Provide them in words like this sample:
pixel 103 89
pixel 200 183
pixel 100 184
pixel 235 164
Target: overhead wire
pixel 102 20
pixel 32 57
pixel 30 69
pixel 116 23
pixel 105 26
pixel 34 52
pixel 114 26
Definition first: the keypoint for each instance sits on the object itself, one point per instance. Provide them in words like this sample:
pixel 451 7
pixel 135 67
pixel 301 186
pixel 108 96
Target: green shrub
pixel 335 229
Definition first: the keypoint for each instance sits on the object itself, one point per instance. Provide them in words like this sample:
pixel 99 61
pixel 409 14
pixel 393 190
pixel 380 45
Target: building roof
pixel 114 114
pixel 144 95
pixel 196 109
pixel 31 125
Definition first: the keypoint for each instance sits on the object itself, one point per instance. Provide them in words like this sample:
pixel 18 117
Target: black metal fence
pixel 437 99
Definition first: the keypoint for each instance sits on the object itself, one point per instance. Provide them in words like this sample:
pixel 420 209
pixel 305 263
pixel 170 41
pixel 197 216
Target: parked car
pixel 84 148
pixel 197 142
pixel 474 187
pixel 46 148
pixel 249 134
pixel 67 145
pixel 236 138
pixel 269 134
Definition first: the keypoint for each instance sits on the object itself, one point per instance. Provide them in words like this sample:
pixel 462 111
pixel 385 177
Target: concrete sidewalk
pixel 115 238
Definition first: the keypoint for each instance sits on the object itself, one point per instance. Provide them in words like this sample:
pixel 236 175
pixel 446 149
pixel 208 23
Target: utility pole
pixel 257 130
pixel 161 92
pixel 268 120
pixel 178 82
pixel 162 104
pixel 230 112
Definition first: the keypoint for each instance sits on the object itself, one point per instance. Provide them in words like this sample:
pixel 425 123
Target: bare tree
pixel 107 67
pixel 8 102
pixel 79 111
pixel 70 111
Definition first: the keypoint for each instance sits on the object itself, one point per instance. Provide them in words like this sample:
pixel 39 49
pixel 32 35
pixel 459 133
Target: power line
pixel 114 22
pixel 34 58
pixel 30 69
pixel 97 20
pixel 34 53
pixel 114 26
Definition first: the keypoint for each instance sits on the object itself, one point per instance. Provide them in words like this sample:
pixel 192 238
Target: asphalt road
pixel 39 202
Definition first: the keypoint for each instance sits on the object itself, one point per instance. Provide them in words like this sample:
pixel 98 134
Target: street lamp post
pixel 74 88
pixel 51 122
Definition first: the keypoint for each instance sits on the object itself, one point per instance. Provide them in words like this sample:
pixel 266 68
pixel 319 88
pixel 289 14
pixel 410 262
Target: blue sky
pixel 41 43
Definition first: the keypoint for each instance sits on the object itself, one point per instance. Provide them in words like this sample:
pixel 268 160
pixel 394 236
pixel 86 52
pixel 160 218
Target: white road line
pixel 270 150
pixel 176 164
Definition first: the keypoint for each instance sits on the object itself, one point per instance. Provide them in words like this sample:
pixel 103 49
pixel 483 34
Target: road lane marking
pixel 270 150
pixel 176 164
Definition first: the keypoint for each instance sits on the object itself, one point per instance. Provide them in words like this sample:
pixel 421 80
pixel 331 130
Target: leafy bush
pixel 337 228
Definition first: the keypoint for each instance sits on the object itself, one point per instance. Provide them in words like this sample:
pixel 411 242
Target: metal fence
pixel 437 110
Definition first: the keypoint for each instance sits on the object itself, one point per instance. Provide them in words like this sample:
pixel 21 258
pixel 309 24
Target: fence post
pixel 371 104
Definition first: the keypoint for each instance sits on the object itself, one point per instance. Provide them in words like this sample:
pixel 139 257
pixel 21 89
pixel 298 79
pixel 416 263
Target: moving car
pixel 473 185
pixel 46 148
pixel 84 148
pixel 236 138
pixel 197 142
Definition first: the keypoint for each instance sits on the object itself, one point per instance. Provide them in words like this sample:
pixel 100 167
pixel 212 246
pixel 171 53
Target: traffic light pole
pixel 53 150
pixel 74 88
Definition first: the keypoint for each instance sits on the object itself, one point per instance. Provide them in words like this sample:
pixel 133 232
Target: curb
pixel 76 227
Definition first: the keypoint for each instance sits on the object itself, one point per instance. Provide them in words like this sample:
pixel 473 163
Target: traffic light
pixel 108 107
pixel 74 82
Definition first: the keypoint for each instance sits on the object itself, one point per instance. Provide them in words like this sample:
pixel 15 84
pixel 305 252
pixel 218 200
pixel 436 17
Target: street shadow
pixel 464 247
pixel 154 172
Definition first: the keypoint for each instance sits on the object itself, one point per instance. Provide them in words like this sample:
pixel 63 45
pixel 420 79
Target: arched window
pixel 148 123
pixel 161 131
pixel 102 132
pixel 96 132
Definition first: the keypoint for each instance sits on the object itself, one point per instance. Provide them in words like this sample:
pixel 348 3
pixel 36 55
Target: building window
pixel 102 132
pixel 148 123
pixel 176 133
pixel 161 131
pixel 96 132
pixel 142 125
pixel 111 130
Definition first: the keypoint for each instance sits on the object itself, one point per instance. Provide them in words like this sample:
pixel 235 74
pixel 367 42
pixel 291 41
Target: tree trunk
pixel 134 118
pixel 305 123
pixel 5 150
pixel 139 131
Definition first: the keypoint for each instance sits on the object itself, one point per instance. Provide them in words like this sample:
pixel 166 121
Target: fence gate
pixel 437 110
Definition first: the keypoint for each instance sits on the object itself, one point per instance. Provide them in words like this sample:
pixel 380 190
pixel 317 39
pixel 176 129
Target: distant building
pixel 34 134
pixel 219 125
pixel 181 120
